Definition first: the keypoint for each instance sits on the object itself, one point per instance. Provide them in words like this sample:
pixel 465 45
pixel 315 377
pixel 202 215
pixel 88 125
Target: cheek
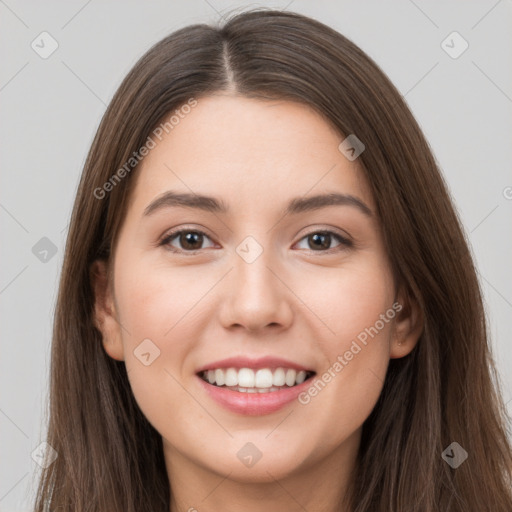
pixel 153 304
pixel 359 318
pixel 153 299
pixel 347 300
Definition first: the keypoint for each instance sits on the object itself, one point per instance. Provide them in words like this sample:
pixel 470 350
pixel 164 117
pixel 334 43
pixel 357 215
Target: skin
pixel 294 301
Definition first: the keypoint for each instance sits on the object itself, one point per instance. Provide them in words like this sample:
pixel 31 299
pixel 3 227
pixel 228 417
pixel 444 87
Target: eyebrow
pixel 171 199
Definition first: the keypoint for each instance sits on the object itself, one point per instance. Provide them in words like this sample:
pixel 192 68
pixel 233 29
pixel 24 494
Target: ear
pixel 408 326
pixel 105 316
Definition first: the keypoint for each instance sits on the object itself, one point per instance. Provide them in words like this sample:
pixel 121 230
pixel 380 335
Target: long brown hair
pixel 446 390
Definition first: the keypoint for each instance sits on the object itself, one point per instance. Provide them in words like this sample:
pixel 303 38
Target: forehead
pixel 252 153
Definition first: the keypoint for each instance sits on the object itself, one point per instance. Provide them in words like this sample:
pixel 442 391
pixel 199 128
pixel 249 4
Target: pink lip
pixel 253 404
pixel 246 362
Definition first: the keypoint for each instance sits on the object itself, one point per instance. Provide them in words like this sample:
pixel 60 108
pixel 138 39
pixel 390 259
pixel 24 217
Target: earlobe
pixel 409 323
pixel 104 317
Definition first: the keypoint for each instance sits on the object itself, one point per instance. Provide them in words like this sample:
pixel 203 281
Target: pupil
pixel 190 239
pixel 324 236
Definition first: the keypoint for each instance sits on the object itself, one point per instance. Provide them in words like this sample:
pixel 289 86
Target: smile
pixel 262 380
pixel 254 392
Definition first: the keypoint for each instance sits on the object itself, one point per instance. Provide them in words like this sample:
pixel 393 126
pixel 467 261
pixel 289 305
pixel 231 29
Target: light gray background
pixel 51 109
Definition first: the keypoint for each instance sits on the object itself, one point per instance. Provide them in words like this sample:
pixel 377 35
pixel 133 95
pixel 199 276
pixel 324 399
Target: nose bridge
pixel 253 278
pixel 254 281
pixel 257 297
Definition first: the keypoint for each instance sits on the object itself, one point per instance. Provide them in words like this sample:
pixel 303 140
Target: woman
pixel 267 301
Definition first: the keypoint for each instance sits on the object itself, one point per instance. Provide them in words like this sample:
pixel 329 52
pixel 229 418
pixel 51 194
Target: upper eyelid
pixel 173 233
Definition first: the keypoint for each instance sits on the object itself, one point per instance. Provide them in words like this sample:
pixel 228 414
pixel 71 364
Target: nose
pixel 256 296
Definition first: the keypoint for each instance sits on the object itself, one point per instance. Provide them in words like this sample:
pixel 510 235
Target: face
pixel 286 287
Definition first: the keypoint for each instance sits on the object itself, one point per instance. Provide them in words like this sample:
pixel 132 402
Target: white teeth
pixel 251 381
pixel 263 378
pixel 278 379
pixel 254 390
pixel 245 377
pixel 219 377
pixel 301 377
pixel 231 377
pixel 290 377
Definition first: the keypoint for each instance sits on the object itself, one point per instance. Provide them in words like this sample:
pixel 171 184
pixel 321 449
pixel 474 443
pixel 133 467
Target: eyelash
pixel 344 242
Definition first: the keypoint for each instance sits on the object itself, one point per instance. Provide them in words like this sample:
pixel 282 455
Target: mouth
pixel 261 380
pixel 254 386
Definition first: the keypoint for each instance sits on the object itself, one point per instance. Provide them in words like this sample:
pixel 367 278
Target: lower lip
pixel 253 404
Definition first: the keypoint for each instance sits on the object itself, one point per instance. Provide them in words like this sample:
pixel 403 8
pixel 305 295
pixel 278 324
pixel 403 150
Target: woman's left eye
pixel 319 241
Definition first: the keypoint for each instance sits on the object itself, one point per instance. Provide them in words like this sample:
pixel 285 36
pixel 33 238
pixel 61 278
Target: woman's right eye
pixel 189 239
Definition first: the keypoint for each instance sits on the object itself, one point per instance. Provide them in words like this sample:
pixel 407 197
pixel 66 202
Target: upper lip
pixel 255 363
